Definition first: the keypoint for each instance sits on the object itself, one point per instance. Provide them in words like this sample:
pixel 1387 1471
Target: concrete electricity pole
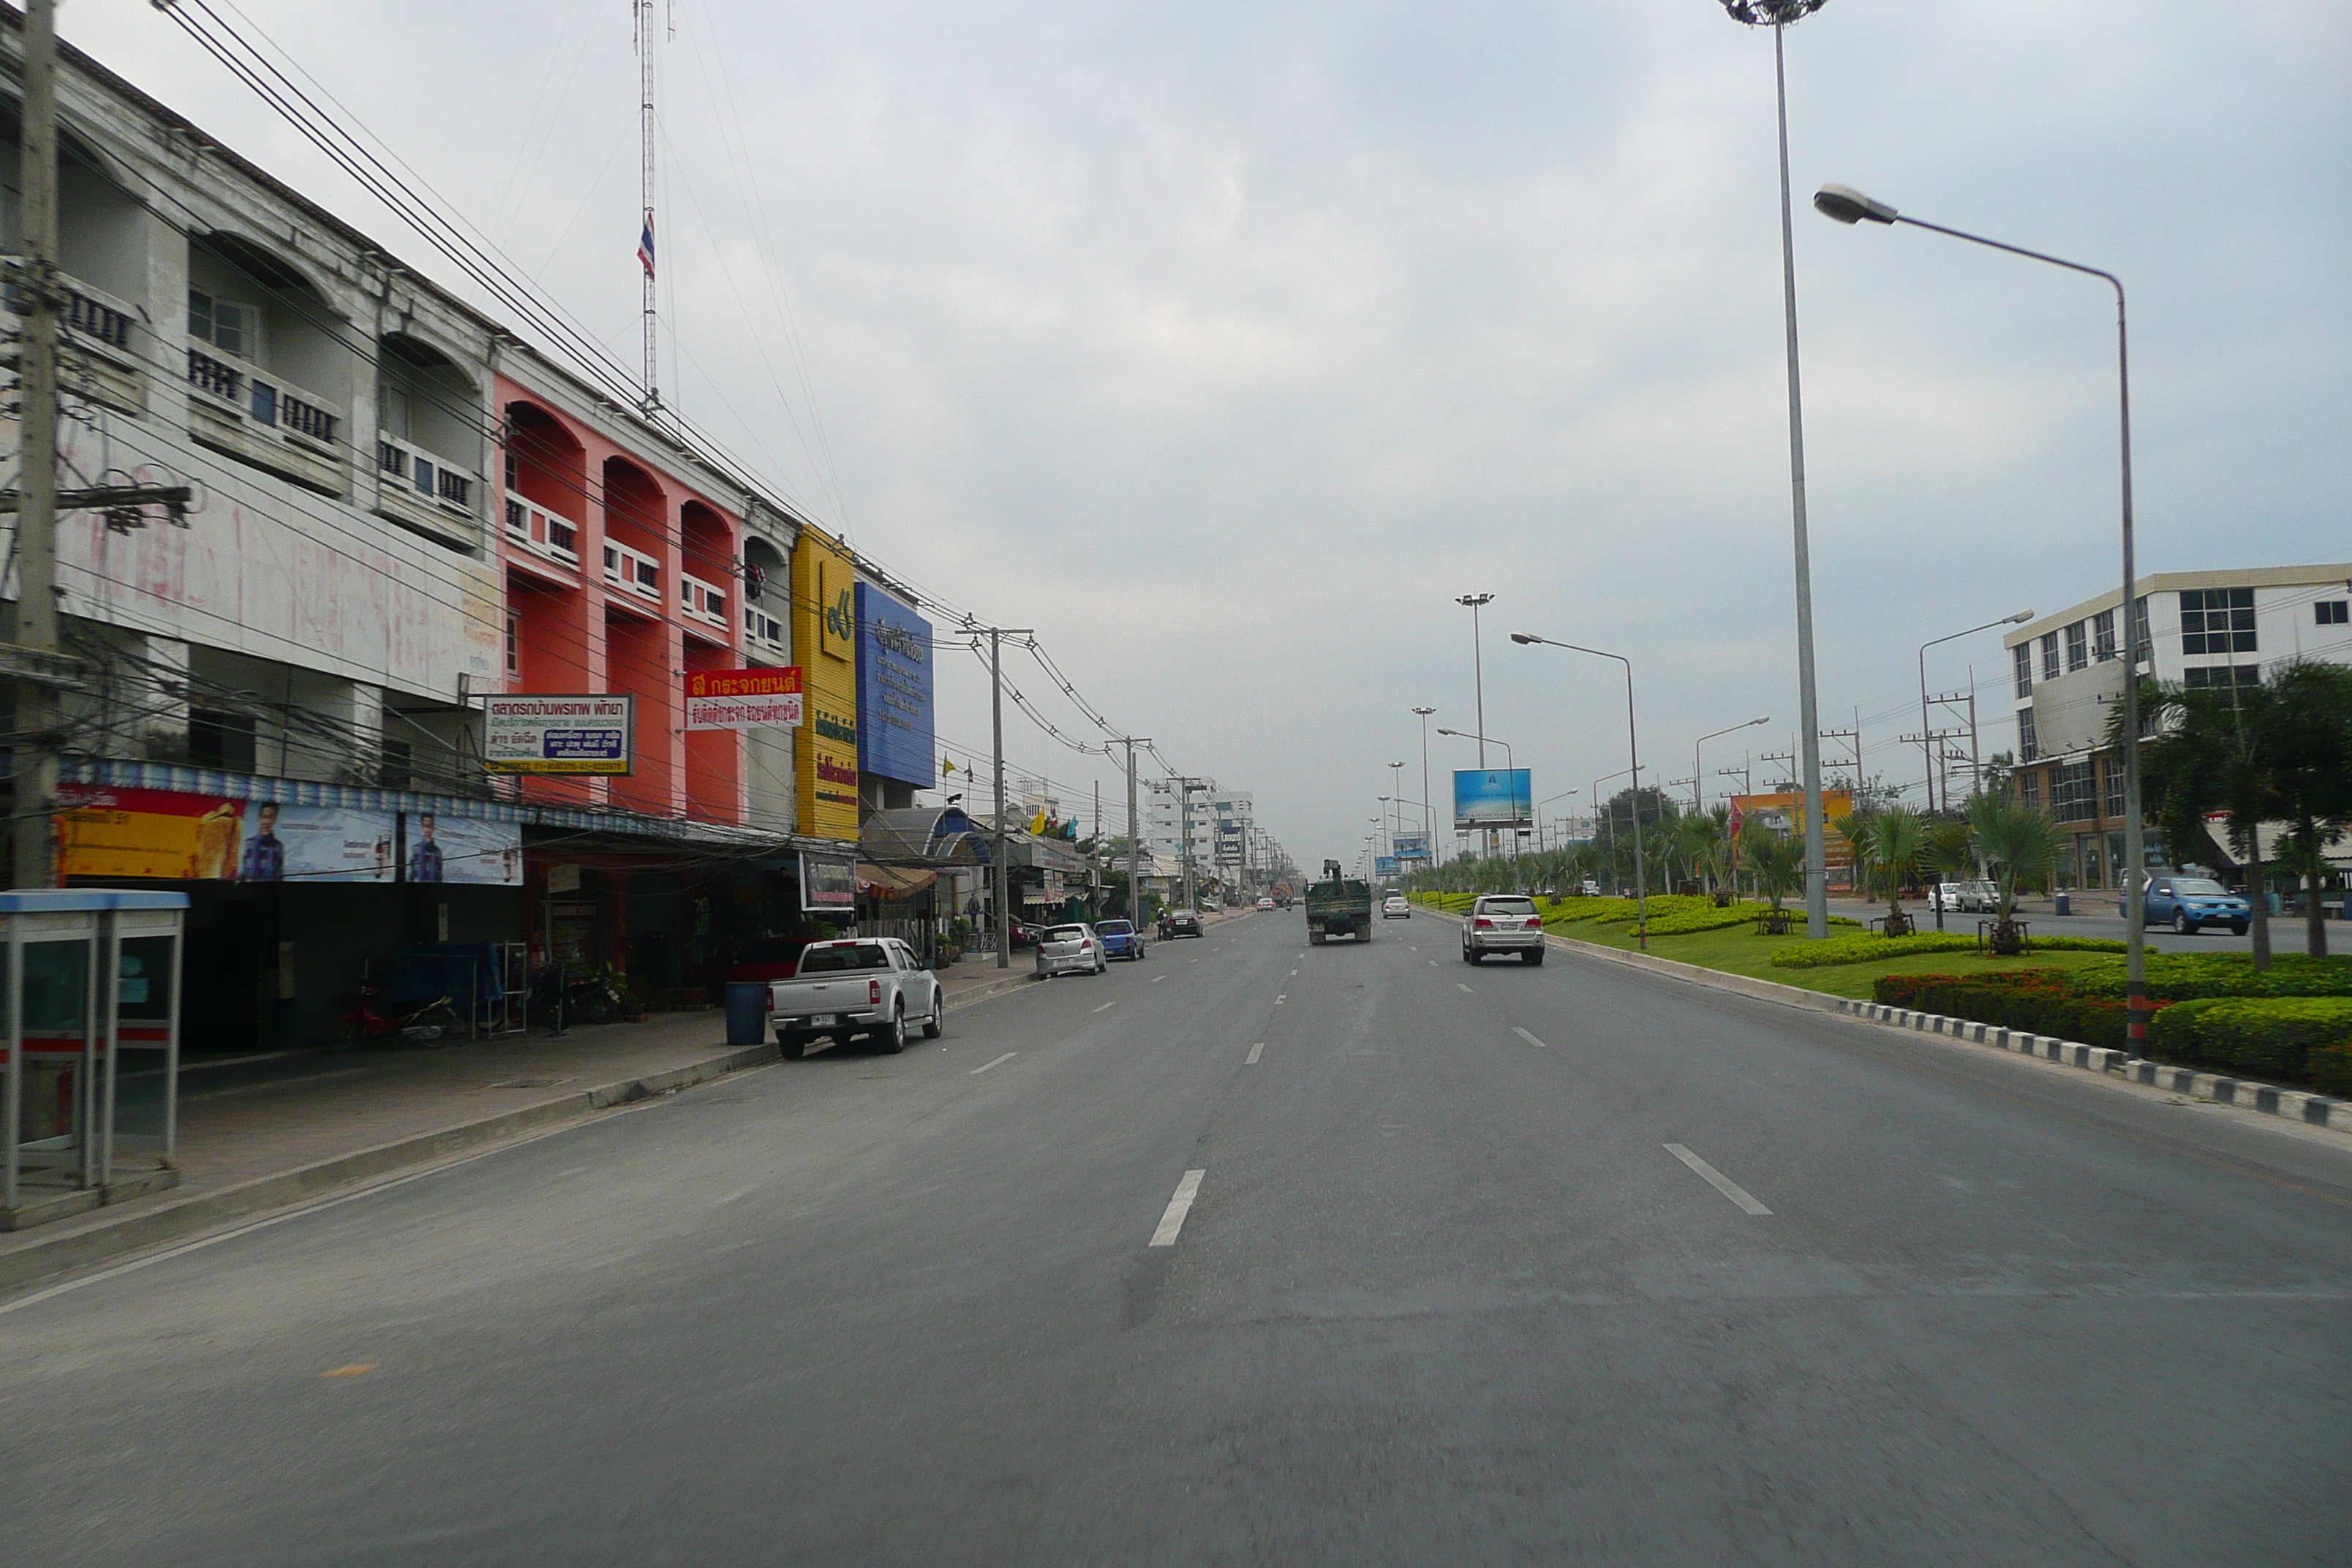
pixel 997 881
pixel 35 629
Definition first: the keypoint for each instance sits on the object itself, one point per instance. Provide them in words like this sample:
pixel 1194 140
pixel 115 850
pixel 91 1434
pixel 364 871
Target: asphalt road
pixel 2095 916
pixel 1493 1265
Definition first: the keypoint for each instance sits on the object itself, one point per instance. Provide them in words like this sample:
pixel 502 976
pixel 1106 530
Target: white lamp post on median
pixel 1634 745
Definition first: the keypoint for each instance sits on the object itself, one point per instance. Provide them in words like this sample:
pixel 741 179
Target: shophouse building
pixel 2196 629
pixel 398 511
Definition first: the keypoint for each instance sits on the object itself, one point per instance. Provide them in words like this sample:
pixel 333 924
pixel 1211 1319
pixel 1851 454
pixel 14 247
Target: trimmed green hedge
pixel 2037 1001
pixel 1865 947
pixel 2262 1037
pixel 2331 1070
pixel 2193 977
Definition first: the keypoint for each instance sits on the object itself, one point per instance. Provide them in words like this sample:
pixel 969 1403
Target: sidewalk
pixel 336 1118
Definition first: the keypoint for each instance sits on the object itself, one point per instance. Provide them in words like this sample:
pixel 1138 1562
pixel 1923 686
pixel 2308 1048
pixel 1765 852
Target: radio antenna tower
pixel 646 25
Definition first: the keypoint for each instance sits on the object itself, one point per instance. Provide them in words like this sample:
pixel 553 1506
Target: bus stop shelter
pixel 89 1029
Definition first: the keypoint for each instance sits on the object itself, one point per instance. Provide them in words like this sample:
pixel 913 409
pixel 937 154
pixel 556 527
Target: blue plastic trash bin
pixel 2061 904
pixel 747 1012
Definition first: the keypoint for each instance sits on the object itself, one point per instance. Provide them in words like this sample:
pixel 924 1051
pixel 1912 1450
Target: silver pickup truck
pixel 873 987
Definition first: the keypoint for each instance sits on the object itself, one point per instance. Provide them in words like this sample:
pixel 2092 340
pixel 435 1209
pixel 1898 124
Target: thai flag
pixel 646 244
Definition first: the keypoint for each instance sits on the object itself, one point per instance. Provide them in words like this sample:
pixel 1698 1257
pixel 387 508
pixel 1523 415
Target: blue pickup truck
pixel 2189 904
pixel 1119 939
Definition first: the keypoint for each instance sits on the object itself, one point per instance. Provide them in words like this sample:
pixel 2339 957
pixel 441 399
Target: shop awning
pixel 932 836
pixel 893 881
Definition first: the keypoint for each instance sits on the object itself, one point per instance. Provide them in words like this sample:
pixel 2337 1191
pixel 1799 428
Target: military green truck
pixel 1339 905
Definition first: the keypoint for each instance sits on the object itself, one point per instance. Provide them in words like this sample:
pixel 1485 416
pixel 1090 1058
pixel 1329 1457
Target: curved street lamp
pixel 1927 745
pixel 1634 745
pixel 1848 205
pixel 1698 799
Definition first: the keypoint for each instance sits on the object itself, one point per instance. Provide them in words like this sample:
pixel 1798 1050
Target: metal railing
pixel 429 474
pixel 541 532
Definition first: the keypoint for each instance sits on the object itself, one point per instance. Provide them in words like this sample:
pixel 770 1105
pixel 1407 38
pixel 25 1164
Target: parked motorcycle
pixel 366 1024
pixel 558 999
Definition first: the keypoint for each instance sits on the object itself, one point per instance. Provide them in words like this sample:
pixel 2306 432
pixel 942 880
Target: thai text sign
pixel 594 732
pixel 743 699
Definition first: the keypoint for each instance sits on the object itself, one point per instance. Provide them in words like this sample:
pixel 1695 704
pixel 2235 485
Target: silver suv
pixel 1503 922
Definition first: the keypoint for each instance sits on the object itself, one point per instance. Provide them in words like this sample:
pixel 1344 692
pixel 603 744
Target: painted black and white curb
pixel 2295 1105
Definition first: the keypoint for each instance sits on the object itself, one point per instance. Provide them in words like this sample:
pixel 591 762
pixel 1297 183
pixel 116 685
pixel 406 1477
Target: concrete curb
pixel 2294 1105
pixel 171 1222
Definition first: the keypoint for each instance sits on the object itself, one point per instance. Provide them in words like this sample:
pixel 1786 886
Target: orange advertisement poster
pixel 147 833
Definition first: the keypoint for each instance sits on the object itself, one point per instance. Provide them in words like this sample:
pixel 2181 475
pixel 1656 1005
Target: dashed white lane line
pixel 997 1063
pixel 1431 962
pixel 1529 1038
pixel 1191 960
pixel 1294 974
pixel 1280 1000
pixel 1717 1180
pixel 1459 986
pixel 1256 1051
pixel 1158 978
pixel 1173 1221
pixel 1104 1008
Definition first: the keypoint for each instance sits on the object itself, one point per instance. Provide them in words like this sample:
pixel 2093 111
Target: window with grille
pixel 2111 774
pixel 2217 620
pixel 514 645
pixel 2028 788
pixel 2024 656
pixel 2029 745
pixel 2072 796
pixel 2103 636
pixel 2077 648
pixel 2332 612
pixel 2050 655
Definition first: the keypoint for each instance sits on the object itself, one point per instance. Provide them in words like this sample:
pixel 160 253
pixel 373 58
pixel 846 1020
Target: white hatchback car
pixel 1073 949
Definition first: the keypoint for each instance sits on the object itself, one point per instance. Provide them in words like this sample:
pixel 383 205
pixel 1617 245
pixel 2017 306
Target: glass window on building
pixel 2332 612
pixel 2077 649
pixel 2143 643
pixel 2050 655
pixel 2217 620
pixel 2072 796
pixel 2029 787
pixel 2103 636
pixel 2111 774
pixel 2029 744
pixel 2024 656
pixel 2222 675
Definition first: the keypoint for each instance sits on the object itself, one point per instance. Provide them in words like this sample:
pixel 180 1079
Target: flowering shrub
pixel 2039 1000
pixel 1865 947
pixel 2192 976
pixel 2265 1036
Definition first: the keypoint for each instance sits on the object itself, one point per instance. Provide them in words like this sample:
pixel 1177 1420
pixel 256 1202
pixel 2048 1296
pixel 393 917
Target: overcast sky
pixel 1225 345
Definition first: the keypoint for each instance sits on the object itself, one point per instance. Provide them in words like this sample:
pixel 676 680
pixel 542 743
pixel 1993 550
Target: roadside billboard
pixel 743 699
pixel 589 733
pixel 459 849
pixel 828 883
pixel 169 835
pixel 824 634
pixel 1410 847
pixel 1784 813
pixel 1385 866
pixel 1492 797
pixel 893 691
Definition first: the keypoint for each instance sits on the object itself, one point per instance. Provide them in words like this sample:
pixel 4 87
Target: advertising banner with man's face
pixel 461 849
pixel 107 832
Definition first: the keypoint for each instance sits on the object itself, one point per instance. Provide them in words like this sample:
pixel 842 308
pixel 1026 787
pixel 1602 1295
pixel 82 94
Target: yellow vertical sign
pixel 825 748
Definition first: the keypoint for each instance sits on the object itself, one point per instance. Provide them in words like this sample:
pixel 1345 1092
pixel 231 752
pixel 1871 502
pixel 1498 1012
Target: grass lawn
pixel 1738 950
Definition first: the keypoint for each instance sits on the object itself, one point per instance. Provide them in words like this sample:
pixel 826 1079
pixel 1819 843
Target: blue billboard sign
pixel 1384 865
pixel 1492 797
pixel 895 739
pixel 1412 847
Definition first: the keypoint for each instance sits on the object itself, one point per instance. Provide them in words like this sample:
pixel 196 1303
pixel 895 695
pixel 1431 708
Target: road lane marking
pixel 1158 978
pixel 997 1063
pixel 1179 1207
pixel 356 1369
pixel 1529 1038
pixel 1256 1051
pixel 1191 960
pixel 1459 986
pixel 1716 1179
pixel 1431 962
pixel 1104 1008
pixel 1294 975
pixel 1280 1000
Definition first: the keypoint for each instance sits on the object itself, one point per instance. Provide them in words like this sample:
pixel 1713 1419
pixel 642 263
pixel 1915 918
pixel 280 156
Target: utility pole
pixel 1134 838
pixel 646 20
pixel 35 630
pixel 998 881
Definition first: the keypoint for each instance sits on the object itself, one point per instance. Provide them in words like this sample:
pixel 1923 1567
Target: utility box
pixel 89 1037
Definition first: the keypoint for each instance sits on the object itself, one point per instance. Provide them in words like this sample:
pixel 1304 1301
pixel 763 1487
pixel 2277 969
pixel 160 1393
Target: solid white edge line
pixel 1529 1038
pixel 1716 1179
pixel 1256 1051
pixel 997 1063
pixel 1173 1221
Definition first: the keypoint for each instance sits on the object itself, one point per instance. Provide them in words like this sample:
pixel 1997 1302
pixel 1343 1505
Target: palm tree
pixel 1950 854
pixel 2214 750
pixel 2021 844
pixel 1701 837
pixel 2311 758
pixel 1900 837
pixel 1776 863
pixel 1859 829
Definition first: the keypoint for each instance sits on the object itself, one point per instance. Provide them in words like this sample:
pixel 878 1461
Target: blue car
pixel 2189 904
pixel 1119 939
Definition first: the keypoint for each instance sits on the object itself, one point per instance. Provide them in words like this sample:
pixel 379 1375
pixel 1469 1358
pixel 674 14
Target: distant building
pixel 2196 628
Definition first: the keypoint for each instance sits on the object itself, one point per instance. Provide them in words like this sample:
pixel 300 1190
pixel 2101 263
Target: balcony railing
pixel 432 477
pixel 97 320
pixel 762 628
pixel 634 570
pixel 107 364
pixel 542 532
pixel 703 601
pixel 262 398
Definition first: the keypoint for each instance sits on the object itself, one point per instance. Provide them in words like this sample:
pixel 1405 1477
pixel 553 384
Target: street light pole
pixel 1428 810
pixel 1634 746
pixel 1777 15
pixel 1848 205
pixel 1478 675
pixel 1927 742
pixel 1698 800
